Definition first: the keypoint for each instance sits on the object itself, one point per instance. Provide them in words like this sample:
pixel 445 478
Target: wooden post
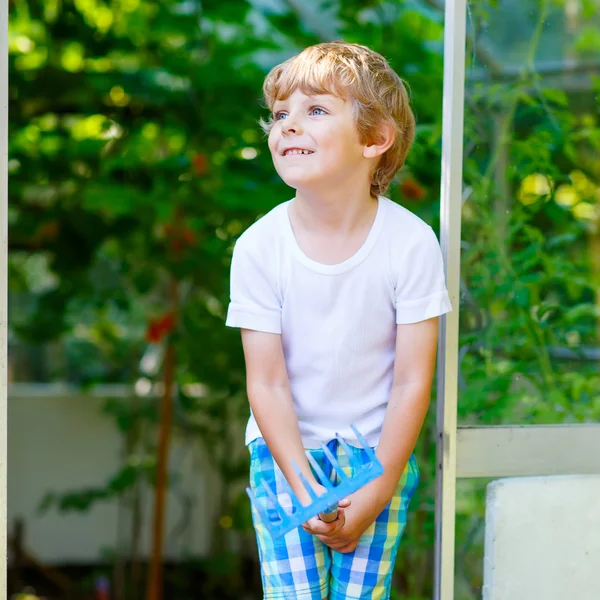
pixel 155 576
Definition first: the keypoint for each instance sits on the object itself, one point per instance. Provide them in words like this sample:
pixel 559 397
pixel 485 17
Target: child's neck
pixel 332 213
pixel 330 230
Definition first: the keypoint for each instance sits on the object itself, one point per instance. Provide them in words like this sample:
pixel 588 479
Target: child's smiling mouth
pixel 296 152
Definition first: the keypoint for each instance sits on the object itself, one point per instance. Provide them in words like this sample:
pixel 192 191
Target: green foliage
pixel 136 160
pixel 81 501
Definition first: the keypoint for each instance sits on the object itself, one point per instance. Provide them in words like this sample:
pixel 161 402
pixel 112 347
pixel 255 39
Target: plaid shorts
pixel 298 565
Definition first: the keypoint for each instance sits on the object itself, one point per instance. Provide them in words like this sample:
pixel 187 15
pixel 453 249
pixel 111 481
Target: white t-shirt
pixel 337 322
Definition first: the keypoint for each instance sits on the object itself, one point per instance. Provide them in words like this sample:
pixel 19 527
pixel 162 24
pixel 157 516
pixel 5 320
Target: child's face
pixel 324 127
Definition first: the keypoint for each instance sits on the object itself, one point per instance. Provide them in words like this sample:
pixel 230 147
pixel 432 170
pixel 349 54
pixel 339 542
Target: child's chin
pixel 300 182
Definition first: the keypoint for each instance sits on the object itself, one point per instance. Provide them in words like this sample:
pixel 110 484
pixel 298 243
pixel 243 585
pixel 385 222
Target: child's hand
pixel 354 522
pixel 320 528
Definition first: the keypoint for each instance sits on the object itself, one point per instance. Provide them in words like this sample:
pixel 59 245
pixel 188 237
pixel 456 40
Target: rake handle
pixel 330 515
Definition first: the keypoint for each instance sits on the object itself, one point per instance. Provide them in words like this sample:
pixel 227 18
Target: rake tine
pixel 305 483
pixel 288 488
pixel 263 513
pixel 363 443
pixel 280 510
pixel 345 446
pixel 334 462
pixel 252 498
pixel 360 438
pixel 325 481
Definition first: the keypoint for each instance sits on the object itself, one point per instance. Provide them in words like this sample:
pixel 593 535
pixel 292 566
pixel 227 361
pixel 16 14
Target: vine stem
pixel 155 575
pixel 529 64
pixel 506 124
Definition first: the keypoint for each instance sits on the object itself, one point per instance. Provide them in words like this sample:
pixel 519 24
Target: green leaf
pixel 556 96
pixel 47 502
pixel 521 295
pixel 581 311
pixel 113 200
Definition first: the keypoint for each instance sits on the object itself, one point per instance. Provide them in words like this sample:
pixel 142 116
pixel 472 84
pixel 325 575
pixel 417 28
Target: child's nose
pixel 292 125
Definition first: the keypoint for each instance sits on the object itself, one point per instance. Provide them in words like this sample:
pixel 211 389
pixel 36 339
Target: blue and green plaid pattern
pixel 299 566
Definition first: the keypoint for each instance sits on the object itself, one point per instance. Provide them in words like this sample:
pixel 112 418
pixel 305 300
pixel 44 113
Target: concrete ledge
pixel 542 538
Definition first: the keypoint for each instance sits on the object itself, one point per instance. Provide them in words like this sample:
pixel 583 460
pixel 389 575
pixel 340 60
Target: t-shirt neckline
pixel 345 265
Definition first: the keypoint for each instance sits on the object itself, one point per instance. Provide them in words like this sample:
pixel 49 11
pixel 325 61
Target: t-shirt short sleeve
pixel 254 300
pixel 420 292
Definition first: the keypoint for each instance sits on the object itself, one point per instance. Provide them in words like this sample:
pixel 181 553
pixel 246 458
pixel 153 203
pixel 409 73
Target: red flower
pixel 188 237
pixel 158 328
pixel 179 238
pixel 200 164
pixel 412 189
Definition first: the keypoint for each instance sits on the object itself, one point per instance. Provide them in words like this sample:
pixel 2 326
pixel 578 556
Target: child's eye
pixel 279 116
pixel 318 108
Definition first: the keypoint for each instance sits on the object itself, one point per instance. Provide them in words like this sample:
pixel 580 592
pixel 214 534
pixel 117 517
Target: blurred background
pixel 135 161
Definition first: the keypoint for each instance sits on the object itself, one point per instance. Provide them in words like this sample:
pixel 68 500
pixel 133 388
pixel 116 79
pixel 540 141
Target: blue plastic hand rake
pixel 327 502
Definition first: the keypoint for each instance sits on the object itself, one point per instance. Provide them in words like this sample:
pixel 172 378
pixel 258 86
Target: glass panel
pixel 530 272
pixel 530 263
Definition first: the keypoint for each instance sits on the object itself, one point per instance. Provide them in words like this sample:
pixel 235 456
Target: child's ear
pixel 381 141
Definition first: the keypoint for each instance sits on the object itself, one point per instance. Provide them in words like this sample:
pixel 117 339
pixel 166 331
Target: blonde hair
pixel 354 72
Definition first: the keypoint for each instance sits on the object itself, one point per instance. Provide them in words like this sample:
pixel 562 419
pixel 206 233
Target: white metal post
pixel 450 213
pixel 3 283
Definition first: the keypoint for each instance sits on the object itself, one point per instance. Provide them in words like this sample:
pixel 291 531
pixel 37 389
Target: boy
pixel 337 293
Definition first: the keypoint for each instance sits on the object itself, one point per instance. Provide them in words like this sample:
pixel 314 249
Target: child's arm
pixel 414 366
pixel 270 397
pixel 407 407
